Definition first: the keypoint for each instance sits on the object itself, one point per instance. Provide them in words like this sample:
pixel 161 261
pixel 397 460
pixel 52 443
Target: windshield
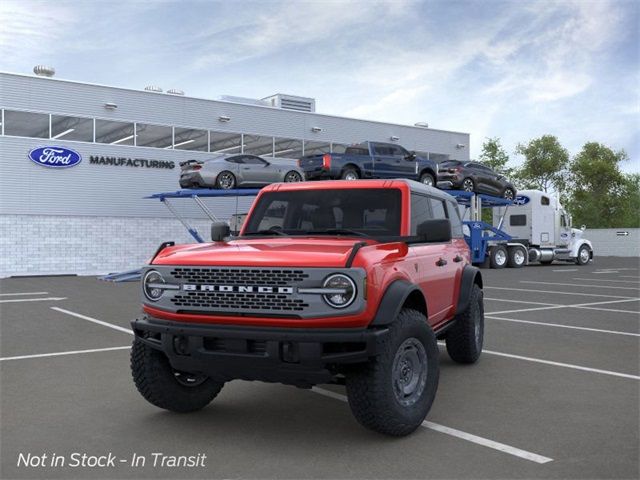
pixel 350 212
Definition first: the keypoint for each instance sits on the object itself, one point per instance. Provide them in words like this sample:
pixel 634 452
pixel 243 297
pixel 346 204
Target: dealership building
pixel 92 217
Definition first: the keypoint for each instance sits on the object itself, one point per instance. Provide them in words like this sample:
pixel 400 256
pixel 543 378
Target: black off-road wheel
pixel 393 393
pixel 167 388
pixel 464 340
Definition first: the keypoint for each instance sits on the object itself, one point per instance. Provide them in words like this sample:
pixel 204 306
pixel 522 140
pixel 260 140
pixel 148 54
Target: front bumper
pixel 301 357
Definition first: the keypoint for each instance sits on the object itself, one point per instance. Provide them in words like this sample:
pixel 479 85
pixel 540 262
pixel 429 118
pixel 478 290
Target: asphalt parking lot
pixel 555 394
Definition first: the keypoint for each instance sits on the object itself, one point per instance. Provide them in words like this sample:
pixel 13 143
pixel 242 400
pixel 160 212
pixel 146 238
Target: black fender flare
pixel 392 302
pixel 470 276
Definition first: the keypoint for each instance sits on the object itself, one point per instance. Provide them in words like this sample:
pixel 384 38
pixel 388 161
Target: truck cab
pixel 538 220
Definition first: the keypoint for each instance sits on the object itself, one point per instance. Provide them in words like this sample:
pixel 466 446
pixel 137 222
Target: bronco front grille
pixel 236 276
pixel 239 301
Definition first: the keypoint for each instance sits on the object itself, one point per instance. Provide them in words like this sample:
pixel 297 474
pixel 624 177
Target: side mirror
pixel 410 156
pixel 219 231
pixel 435 231
pixel 583 228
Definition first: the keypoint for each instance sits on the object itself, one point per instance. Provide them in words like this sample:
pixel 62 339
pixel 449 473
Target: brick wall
pixel 45 245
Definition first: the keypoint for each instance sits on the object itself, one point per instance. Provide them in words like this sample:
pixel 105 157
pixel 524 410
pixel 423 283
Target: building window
pixel 190 139
pixel 115 133
pixel 26 124
pixel 225 143
pixel 72 128
pixel 287 148
pixel 157 136
pixel 257 145
pixel 316 148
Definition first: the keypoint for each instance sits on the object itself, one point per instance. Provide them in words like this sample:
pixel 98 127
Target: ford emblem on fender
pixel 55 157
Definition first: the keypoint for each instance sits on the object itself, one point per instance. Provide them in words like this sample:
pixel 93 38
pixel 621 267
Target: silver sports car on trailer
pixel 235 171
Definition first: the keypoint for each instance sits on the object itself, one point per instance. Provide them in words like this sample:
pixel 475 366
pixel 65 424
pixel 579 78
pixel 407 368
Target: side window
pixel 251 160
pixel 517 220
pixel 397 151
pixel 544 201
pixel 382 150
pixel 437 207
pixel 235 159
pixel 456 223
pixel 420 211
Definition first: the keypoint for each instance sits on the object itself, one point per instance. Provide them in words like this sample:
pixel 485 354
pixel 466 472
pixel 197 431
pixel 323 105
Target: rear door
pixel 383 160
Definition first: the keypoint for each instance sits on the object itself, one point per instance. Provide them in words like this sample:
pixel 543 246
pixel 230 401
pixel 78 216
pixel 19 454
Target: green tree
pixel 495 157
pixel 545 164
pixel 600 195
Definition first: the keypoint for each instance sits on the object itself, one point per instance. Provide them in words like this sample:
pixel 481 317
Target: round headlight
pixel 344 290
pixel 151 285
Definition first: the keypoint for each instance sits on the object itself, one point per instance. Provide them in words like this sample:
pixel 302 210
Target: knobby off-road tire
pixel 372 389
pixel 159 383
pixel 465 338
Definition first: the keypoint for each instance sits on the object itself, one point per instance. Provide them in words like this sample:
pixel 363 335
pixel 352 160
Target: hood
pixel 267 252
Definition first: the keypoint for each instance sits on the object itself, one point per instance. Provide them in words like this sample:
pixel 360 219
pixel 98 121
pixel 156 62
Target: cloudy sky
pixel 514 69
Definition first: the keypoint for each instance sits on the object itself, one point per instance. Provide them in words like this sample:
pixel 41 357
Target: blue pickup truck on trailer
pixel 370 160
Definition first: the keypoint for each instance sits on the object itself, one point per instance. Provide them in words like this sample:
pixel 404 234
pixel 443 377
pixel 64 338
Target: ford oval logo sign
pixel 55 157
pixel 521 200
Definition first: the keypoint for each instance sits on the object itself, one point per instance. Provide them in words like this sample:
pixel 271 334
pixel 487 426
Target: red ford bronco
pixel 327 282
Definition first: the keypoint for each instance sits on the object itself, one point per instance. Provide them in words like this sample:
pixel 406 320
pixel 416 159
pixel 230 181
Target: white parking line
pixel 629 276
pixel 23 293
pixel 606 280
pixel 520 301
pixel 545 324
pixel 581 285
pixel 59 354
pixel 18 300
pixel 564 365
pixel 556 292
pixel 566 270
pixel 469 437
pixel 93 320
pixel 588 306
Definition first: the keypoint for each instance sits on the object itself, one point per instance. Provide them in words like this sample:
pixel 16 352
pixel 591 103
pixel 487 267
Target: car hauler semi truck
pixel 538 221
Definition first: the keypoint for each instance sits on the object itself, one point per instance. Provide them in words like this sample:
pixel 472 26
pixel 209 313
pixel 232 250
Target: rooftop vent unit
pixel 153 88
pixel 291 102
pixel 44 71
pixel 175 91
pixel 244 100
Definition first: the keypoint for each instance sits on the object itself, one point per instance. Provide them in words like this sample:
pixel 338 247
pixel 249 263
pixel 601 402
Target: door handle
pixel 457 259
pixel 246 168
pixel 441 262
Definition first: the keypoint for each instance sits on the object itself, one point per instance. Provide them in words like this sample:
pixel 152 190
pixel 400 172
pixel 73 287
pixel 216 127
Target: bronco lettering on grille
pixel 237 289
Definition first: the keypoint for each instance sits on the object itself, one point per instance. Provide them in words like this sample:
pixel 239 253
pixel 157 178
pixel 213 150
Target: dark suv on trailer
pixel 475 177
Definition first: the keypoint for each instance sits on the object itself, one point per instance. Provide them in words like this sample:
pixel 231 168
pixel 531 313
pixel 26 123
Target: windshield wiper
pixel 337 231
